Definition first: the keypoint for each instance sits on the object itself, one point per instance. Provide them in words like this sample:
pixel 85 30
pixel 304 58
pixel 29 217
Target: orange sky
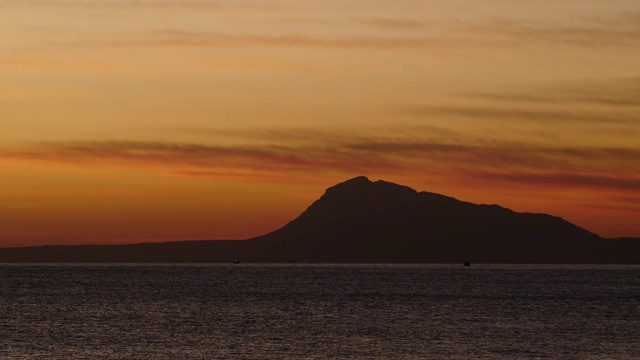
pixel 153 120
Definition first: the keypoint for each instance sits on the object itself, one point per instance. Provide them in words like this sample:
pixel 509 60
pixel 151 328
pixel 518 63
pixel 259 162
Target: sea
pixel 319 311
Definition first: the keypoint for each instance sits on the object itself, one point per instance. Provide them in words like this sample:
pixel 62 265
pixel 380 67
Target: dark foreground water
pixel 319 311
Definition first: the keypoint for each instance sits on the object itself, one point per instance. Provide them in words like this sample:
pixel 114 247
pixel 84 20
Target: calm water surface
pixel 319 311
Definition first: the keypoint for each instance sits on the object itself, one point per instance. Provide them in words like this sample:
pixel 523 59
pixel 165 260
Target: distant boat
pixel 236 261
pixel 467 263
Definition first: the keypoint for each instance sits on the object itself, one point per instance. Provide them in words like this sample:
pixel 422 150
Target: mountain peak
pixel 357 195
pixel 361 189
pixel 360 178
pixel 356 181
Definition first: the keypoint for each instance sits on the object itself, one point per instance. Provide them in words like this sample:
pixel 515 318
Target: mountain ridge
pixel 359 219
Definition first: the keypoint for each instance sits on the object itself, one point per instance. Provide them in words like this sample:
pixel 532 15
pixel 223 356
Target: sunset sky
pixel 154 120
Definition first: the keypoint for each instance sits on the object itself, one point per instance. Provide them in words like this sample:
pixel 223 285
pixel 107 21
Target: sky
pixel 125 121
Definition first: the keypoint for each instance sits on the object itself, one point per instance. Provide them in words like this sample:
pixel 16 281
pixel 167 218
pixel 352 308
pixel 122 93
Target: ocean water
pixel 297 311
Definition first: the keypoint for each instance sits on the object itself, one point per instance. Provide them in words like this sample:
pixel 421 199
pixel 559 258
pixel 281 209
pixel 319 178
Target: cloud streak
pixel 611 92
pixel 514 113
pixel 602 167
pixel 185 38
pixel 605 31
pixel 270 158
pixel 391 23
pixel 136 4
pixel 562 180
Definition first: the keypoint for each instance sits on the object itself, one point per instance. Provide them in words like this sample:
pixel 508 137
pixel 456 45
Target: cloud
pixel 605 31
pixel 503 155
pixel 319 136
pixel 264 158
pixel 502 35
pixel 391 23
pixel 618 208
pixel 619 31
pixel 257 66
pixel 539 116
pixel 136 4
pixel 298 178
pixel 563 180
pixel 578 36
pixel 298 152
pixel 184 38
pixel 610 92
pixel 626 202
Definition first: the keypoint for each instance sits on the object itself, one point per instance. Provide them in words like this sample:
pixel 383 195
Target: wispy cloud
pixel 563 180
pixel 504 33
pixel 629 202
pixel 604 31
pixel 298 178
pixel 139 4
pixel 526 114
pixel 258 66
pixel 185 38
pixel 271 158
pixel 391 23
pixel 513 162
pixel 611 92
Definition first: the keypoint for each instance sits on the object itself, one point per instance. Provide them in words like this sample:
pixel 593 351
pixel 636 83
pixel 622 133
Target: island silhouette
pixel 361 221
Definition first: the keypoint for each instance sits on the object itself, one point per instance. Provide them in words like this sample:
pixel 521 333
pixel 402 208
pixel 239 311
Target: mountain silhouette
pixel 373 222
pixel 364 221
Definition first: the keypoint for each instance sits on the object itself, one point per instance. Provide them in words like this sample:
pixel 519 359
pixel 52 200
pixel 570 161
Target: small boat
pixel 467 263
pixel 236 261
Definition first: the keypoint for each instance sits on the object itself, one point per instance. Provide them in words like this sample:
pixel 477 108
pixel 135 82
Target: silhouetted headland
pixel 360 221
